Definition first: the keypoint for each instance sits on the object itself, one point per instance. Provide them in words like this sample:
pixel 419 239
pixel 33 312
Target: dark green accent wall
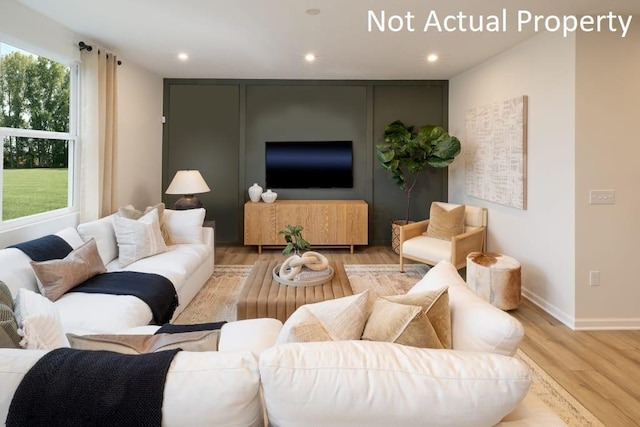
pixel 220 127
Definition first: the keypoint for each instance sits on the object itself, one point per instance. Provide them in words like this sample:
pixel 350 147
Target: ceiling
pixel 246 39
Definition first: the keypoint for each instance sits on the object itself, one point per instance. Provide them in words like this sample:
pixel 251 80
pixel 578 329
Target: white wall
pixel 607 153
pixel 139 136
pixel 542 236
pixel 36 33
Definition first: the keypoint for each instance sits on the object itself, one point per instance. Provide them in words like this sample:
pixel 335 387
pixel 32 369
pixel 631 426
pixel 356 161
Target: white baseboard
pixel 604 324
pixel 582 324
pixel 549 308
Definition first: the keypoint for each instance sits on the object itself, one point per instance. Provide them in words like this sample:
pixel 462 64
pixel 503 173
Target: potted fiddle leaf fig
pixel 407 153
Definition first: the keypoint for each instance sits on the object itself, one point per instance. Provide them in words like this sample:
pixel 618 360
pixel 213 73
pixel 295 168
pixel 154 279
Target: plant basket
pixel 395 234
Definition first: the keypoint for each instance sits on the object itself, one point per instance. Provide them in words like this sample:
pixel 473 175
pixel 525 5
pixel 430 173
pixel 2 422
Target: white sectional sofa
pixel 252 380
pixel 188 263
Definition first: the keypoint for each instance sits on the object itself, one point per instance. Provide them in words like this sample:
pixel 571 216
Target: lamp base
pixel 188 201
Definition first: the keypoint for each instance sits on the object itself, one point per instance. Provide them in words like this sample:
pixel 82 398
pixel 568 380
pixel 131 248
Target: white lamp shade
pixel 188 182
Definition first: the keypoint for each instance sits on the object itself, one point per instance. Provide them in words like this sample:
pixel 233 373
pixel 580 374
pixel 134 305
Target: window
pixel 38 133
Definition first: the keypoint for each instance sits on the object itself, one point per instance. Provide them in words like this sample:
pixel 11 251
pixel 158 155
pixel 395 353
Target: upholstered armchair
pixel 451 233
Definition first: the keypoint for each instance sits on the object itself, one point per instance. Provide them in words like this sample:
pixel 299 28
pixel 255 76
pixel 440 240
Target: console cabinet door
pixel 260 224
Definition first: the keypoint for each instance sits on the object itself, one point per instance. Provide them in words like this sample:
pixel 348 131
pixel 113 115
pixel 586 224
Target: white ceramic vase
pixel 255 191
pixel 269 196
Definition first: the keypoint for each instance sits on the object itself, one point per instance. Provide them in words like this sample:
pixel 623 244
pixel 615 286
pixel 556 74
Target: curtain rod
pixel 82 46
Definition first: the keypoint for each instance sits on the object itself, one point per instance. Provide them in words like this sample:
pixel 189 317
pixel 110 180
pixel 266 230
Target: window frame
pixel 72 136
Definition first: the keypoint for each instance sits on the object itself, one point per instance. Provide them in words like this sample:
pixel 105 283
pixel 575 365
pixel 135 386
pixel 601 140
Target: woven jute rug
pixel 216 301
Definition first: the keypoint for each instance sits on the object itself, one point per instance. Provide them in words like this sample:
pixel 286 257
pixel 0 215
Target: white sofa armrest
pixel 476 325
pixel 208 237
pixel 255 335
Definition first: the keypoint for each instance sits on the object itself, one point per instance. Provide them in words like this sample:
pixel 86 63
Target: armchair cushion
pixel 427 248
pixel 446 221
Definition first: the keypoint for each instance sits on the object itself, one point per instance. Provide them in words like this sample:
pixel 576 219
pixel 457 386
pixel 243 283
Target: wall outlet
pixel 594 278
pixel 602 197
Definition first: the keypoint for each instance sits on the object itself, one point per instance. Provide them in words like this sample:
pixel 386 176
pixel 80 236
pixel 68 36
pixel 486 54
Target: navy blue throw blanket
pixel 168 328
pixel 155 290
pixel 69 387
pixel 45 248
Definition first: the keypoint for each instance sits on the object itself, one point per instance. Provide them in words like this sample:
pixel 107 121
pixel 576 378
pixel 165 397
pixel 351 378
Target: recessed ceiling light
pixel 312 11
pixel 310 57
pixel 183 56
pixel 432 57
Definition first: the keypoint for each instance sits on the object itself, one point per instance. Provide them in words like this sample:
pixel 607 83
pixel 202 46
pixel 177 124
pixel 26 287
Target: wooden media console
pixel 325 222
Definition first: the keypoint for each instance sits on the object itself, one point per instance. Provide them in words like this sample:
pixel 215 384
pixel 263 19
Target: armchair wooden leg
pixel 401 264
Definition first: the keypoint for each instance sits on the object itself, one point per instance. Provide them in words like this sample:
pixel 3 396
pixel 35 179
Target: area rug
pixel 217 301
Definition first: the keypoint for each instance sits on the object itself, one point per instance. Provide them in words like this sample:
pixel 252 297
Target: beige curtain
pixel 98 134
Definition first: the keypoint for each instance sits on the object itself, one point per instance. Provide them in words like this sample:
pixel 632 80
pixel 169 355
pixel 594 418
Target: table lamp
pixel 187 183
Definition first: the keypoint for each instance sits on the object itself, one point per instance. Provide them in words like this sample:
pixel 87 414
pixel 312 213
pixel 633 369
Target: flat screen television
pixel 309 164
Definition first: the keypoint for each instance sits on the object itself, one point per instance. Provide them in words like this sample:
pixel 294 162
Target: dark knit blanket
pixel 45 248
pixel 69 387
pixel 168 328
pixel 155 290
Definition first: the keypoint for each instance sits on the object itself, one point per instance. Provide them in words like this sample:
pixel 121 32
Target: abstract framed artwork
pixel 496 152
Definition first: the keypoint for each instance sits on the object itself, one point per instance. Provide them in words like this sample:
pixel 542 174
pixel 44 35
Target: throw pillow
pixel 444 224
pixel 184 226
pixel 58 276
pixel 138 239
pixel 140 344
pixel 132 213
pixel 5 295
pixel 103 231
pixel 38 319
pixel 419 320
pixel 337 319
pixel 9 337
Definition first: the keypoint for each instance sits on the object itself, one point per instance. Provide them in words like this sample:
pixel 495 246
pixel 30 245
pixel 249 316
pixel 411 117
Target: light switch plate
pixel 602 197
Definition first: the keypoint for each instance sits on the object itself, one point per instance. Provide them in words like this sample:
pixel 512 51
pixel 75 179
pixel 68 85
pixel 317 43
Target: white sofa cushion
pixel 475 324
pixel 102 230
pixel 254 335
pixel 83 313
pixel 184 226
pixel 177 264
pixel 212 389
pixel 383 384
pixel 71 236
pixel 20 275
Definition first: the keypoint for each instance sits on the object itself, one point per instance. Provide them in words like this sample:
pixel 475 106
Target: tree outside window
pixel 34 128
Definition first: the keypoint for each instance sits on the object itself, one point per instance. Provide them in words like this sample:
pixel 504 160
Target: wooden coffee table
pixel 261 296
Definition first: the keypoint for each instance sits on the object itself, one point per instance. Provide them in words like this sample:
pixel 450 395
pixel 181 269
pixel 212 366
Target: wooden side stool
pixel 496 278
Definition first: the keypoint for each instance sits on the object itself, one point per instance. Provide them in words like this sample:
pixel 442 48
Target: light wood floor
pixel 601 369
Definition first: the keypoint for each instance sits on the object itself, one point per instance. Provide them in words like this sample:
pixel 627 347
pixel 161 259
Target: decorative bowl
pixel 315 281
